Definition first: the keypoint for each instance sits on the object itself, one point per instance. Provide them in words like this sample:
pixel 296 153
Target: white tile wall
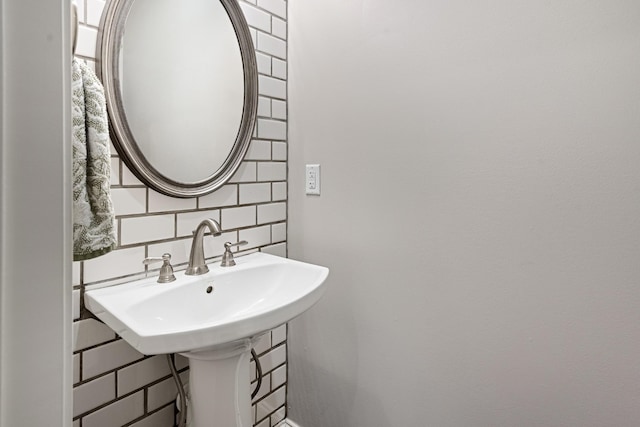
pixel 279 28
pixel 161 203
pixel 264 423
pixel 272 45
pixel 279 109
pixel 127 201
pixel 163 392
pixel 89 333
pixel 225 196
pixel 255 193
pixel 147 228
pixel 273 358
pixel 259 150
pixel 265 388
pixel 271 403
pixel 94 11
pixel 272 171
pixel 139 374
pixel 76 368
pixel 86 44
pixel 188 222
pixel 93 393
pixel 277 7
pixel 128 178
pixel 278 415
pixel 279 190
pixel 115 171
pixel 162 418
pixel 279 376
pixel 263 344
pixel 256 237
pixel 264 63
pixel 75 299
pixel 269 86
pixel 128 261
pixel 272 213
pixel 179 250
pixel 279 69
pixel 279 335
pixel 238 217
pixel 116 385
pixel 245 173
pixel 117 414
pixel 264 107
pixel 256 18
pixel 75 274
pixel 110 356
pixel 272 129
pixel 81 11
pixel 214 246
pixel 279 249
pixel 279 232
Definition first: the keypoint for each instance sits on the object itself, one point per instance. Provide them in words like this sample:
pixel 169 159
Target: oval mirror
pixel 181 82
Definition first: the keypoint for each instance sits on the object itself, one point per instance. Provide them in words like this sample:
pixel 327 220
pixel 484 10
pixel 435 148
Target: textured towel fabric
pixel 93 215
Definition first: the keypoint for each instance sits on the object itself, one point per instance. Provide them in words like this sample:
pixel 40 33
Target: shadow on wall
pixel 346 416
pixel 335 409
pixel 325 355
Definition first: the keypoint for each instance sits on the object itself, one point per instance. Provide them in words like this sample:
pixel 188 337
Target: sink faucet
pixel 196 258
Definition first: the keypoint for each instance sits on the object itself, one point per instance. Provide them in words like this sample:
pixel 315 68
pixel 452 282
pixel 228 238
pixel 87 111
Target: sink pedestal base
pixel 219 386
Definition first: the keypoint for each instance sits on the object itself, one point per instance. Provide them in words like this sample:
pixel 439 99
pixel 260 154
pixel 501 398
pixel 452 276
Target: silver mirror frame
pixel 109 43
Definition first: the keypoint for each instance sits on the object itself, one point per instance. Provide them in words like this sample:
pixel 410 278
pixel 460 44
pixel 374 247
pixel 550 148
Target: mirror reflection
pixel 182 85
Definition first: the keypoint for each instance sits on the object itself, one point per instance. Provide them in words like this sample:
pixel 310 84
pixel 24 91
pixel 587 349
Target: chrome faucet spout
pixel 196 258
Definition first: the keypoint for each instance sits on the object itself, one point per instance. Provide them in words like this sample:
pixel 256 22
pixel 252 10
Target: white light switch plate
pixel 312 180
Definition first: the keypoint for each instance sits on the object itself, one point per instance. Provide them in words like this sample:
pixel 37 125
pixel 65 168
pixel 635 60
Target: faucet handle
pixel 227 257
pixel 166 271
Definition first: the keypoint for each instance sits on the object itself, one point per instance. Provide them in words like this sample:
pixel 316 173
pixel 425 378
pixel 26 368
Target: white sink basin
pixel 258 294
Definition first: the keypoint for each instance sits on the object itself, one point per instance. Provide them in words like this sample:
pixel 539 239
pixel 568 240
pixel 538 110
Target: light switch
pixel 312 184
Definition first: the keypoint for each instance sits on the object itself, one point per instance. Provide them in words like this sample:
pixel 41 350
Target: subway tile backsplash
pixel 279 69
pixel 272 87
pixel 279 28
pixel 147 228
pixel 118 413
pixel 161 203
pixel 264 63
pixel 114 385
pixel 256 18
pixel 94 11
pixel 272 45
pixel 272 129
pixel 272 171
pixel 272 213
pixel 277 7
pixel 225 196
pixel 255 193
pixel 259 150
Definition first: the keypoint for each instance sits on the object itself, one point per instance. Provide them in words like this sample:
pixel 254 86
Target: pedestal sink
pixel 212 319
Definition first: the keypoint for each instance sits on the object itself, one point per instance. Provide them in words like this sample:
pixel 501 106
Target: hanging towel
pixel 93 215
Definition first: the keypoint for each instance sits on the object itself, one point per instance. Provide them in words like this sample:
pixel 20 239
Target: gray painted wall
pixel 480 212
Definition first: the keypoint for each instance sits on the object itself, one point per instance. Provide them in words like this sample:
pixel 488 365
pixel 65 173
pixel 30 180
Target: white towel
pixel 93 215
